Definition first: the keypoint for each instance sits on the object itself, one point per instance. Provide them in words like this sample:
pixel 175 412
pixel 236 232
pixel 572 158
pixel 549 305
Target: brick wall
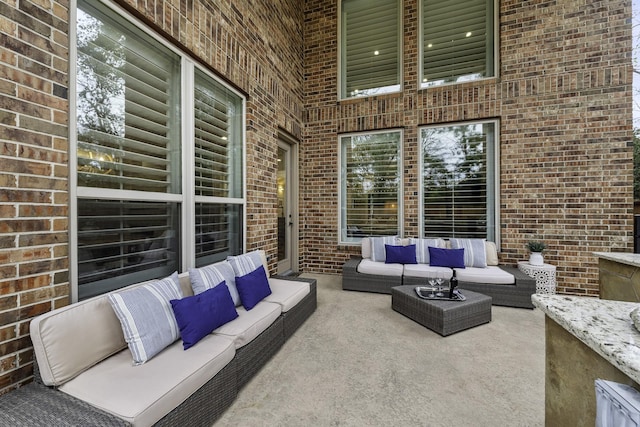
pixel 257 46
pixel 563 98
pixel 33 175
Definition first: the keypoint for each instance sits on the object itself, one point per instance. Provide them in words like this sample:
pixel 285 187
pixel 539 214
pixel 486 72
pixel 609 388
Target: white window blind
pixel 457 40
pixel 128 240
pixel 370 185
pixel 458 184
pixel 218 232
pixel 371 47
pixel 217 170
pixel 218 148
pixel 127 90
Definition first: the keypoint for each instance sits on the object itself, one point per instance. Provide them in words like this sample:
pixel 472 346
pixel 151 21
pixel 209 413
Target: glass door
pixel 286 216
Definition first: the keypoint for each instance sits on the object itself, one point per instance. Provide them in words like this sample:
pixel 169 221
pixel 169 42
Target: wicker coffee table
pixel 443 317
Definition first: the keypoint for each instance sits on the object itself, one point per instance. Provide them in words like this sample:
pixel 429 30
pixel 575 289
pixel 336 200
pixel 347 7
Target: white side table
pixel 544 274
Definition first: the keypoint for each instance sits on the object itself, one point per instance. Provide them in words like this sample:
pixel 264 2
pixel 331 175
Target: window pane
pixel 370 47
pixel 133 241
pixel 218 232
pixel 458 190
pixel 370 185
pixel 457 41
pixel 127 92
pixel 218 139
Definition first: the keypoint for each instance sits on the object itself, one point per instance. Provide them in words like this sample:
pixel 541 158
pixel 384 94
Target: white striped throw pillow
pixel 146 317
pixel 245 263
pixel 475 251
pixel 422 248
pixel 210 276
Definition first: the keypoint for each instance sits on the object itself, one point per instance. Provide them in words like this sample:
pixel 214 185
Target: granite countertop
pixel 603 325
pixel 621 257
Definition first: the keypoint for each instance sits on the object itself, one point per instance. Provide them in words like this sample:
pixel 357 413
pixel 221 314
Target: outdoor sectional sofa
pixel 85 374
pixel 506 285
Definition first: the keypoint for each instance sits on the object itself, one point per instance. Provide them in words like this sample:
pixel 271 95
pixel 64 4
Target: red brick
pixel 8 302
pixel 8 363
pixel 24 284
pixel 12 377
pixel 7 333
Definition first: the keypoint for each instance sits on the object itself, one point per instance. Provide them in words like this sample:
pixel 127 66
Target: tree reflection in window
pixel 128 98
pixel 100 93
pixel 371 185
pixel 458 194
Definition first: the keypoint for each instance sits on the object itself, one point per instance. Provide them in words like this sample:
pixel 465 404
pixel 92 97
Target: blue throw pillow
pixel 199 315
pixel 253 287
pixel 452 258
pixel 400 254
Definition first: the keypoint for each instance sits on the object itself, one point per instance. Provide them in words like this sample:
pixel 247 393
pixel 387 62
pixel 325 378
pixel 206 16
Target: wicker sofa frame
pixel 516 295
pixel 36 404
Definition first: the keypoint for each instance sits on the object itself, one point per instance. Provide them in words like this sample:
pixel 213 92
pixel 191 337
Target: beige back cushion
pixel 71 339
pixel 366 247
pixel 492 253
pixel 185 284
pixel 263 255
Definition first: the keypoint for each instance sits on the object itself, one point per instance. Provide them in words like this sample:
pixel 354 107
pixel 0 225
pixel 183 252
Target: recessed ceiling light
pixel 376 52
pixel 469 34
pixel 430 45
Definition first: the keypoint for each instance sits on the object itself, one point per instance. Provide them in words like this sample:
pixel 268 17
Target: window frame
pixel 342 209
pixel 342 61
pixel 186 198
pixel 493 178
pixel 496 49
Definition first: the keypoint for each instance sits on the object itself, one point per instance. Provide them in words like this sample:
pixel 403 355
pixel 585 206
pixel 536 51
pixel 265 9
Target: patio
pixel 357 362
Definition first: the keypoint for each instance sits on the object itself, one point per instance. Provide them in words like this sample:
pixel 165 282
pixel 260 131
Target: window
pixel 218 171
pixel 371 192
pixel 459 180
pixel 370 42
pixel 457 41
pixel 141 109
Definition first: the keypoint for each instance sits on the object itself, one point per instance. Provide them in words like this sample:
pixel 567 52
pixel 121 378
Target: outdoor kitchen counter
pixel 619 276
pixel 586 339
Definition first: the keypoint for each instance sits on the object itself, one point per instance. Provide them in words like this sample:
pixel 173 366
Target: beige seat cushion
pixel 425 270
pixel 144 394
pixel 287 293
pixel 489 274
pixel 250 324
pixel 367 266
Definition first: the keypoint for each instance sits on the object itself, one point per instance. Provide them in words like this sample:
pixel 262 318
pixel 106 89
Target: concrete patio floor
pixel 356 362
